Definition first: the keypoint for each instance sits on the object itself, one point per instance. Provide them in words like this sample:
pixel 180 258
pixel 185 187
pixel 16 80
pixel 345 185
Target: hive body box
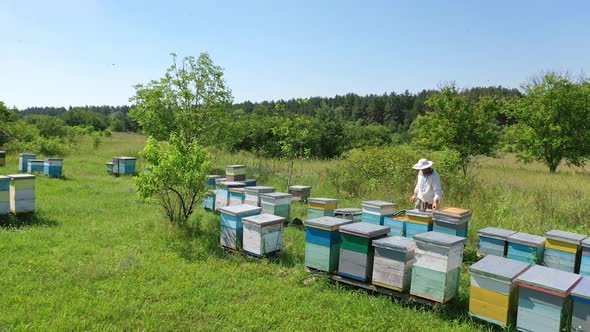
pixel 4 194
pixel 23 159
pixel 451 220
pixel 124 165
pixel 493 241
pixel 418 222
pixel 375 211
pixel 397 225
pixel 436 271
pixel 52 167
pixel 353 214
pixel 392 262
pixel 356 249
pixel 209 201
pixel 236 196
pixel 250 182
pixel 22 193
pixel 235 172
pixel 585 261
pixel 493 295
pixel 35 166
pixel 544 302
pixel 2 158
pixel 211 179
pixel 322 243
pixel 110 167
pixel 300 193
pixel 252 194
pixel 563 250
pixel 581 306
pixel 263 234
pixel 275 203
pixel 526 248
pixel 231 223
pixel 222 193
pixel 321 207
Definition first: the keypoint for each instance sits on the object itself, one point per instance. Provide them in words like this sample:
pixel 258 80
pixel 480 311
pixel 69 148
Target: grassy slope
pixel 96 258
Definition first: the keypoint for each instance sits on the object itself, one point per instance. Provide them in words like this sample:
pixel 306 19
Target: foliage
pixel 96 139
pixel 191 98
pixel 455 122
pixel 174 176
pixel 331 131
pixel 356 135
pixel 84 117
pixel 553 121
pixel 297 136
pixel 49 126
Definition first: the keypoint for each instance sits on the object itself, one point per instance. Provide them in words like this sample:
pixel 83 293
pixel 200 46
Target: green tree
pixel 331 131
pixel 454 122
pixel 191 100
pixel 174 175
pixel 553 121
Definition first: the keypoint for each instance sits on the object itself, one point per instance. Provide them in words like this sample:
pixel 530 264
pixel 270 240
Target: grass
pixel 96 258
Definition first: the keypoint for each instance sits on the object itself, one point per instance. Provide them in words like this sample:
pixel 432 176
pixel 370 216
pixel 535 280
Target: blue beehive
pixel 581 306
pixel 209 200
pixel 526 248
pixel 563 250
pixel 211 179
pixel 493 241
pixel 52 167
pixel 250 182
pixel 452 221
pixel 397 225
pixel 418 222
pixel 23 159
pixel 321 207
pixel 375 211
pixel 4 195
pixel 585 261
pixel 34 166
pixel 322 243
pixel 127 165
pixel 231 223
pixel 222 193
pixel 353 214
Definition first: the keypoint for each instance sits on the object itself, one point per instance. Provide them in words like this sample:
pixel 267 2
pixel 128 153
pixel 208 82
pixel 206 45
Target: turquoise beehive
pixel 375 211
pixel 4 195
pixel 23 159
pixel 493 241
pixel 231 223
pixel 34 166
pixel 52 167
pixel 526 248
pixel 585 259
pixel 322 243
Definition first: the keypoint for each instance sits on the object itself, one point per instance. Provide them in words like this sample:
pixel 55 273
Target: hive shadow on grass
pixel 26 220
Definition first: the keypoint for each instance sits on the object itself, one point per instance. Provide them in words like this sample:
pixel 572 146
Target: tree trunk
pixel 290 173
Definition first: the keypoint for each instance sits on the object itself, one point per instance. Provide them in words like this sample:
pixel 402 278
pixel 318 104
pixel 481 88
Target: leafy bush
pixel 52 147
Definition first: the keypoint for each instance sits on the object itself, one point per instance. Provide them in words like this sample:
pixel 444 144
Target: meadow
pixel 94 257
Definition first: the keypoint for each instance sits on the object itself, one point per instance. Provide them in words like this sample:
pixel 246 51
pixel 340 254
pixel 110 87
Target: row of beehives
pixel 27 163
pixel 17 193
pixel 122 165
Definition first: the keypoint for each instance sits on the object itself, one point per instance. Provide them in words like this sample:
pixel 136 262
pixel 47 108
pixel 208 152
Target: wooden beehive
pixel 322 243
pixel 356 249
pixel 252 194
pixel 263 234
pixel 235 172
pixel 493 294
pixel 451 220
pixel 526 248
pixel 236 196
pixel 53 167
pixel 300 193
pixel 211 179
pixel 276 203
pixel 585 261
pixel 22 193
pixel 126 165
pixel 2 158
pixel 397 225
pixel 250 182
pixel 563 250
pixel 110 167
pixel 222 193
pixel 35 166
pixel 23 159
pixel 356 215
pixel 437 268
pixel 544 302
pixel 493 241
pixel 231 223
pixel 392 262
pixel 581 306
pixel 4 195
pixel 418 222
pixel 375 211
pixel 321 207
pixel 209 200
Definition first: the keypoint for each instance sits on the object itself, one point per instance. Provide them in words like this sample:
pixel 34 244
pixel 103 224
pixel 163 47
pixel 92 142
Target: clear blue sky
pixel 78 52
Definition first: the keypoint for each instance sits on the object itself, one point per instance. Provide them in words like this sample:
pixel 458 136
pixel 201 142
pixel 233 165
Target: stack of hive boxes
pixel 4 195
pixel 322 243
pixel 436 271
pixel 275 203
pixel 35 166
pixel 585 261
pixel 493 295
pixel 2 158
pixel 544 301
pixel 581 306
pixel 563 250
pixel 22 193
pixel 392 263
pixel 235 172
pixel 52 167
pixel 353 214
pixel 222 193
pixel 526 248
pixel 451 220
pixel 23 159
pixel 110 167
pixel 418 222
pixel 356 249
pixel 263 234
pixel 396 224
pixel 236 196
pixel 375 211
pixel 231 223
pixel 252 194
pixel 321 207
pixel 493 241
pixel 300 193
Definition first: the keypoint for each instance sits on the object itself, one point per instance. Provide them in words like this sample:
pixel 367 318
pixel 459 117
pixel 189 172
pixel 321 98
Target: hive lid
pixel 4 177
pixel 298 187
pixel 240 209
pixel 127 158
pixel 582 289
pixel 527 239
pixel 495 233
pixel 235 166
pixel 262 220
pixel 379 204
pixel 26 154
pixel 328 223
pixel 565 236
pixel 586 242
pixel 418 213
pixel 499 267
pixel 54 158
pixel 322 200
pixel 453 212
pixel 364 229
pixel 398 243
pixel 233 184
pixel 110 163
pixel 20 176
pixel 276 195
pixel 260 189
pixel 35 160
pixel 348 211
pixel 550 279
pixel 440 239
pixel 213 176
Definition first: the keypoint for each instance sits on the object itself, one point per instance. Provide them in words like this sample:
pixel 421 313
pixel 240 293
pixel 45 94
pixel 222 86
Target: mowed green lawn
pixel 96 258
